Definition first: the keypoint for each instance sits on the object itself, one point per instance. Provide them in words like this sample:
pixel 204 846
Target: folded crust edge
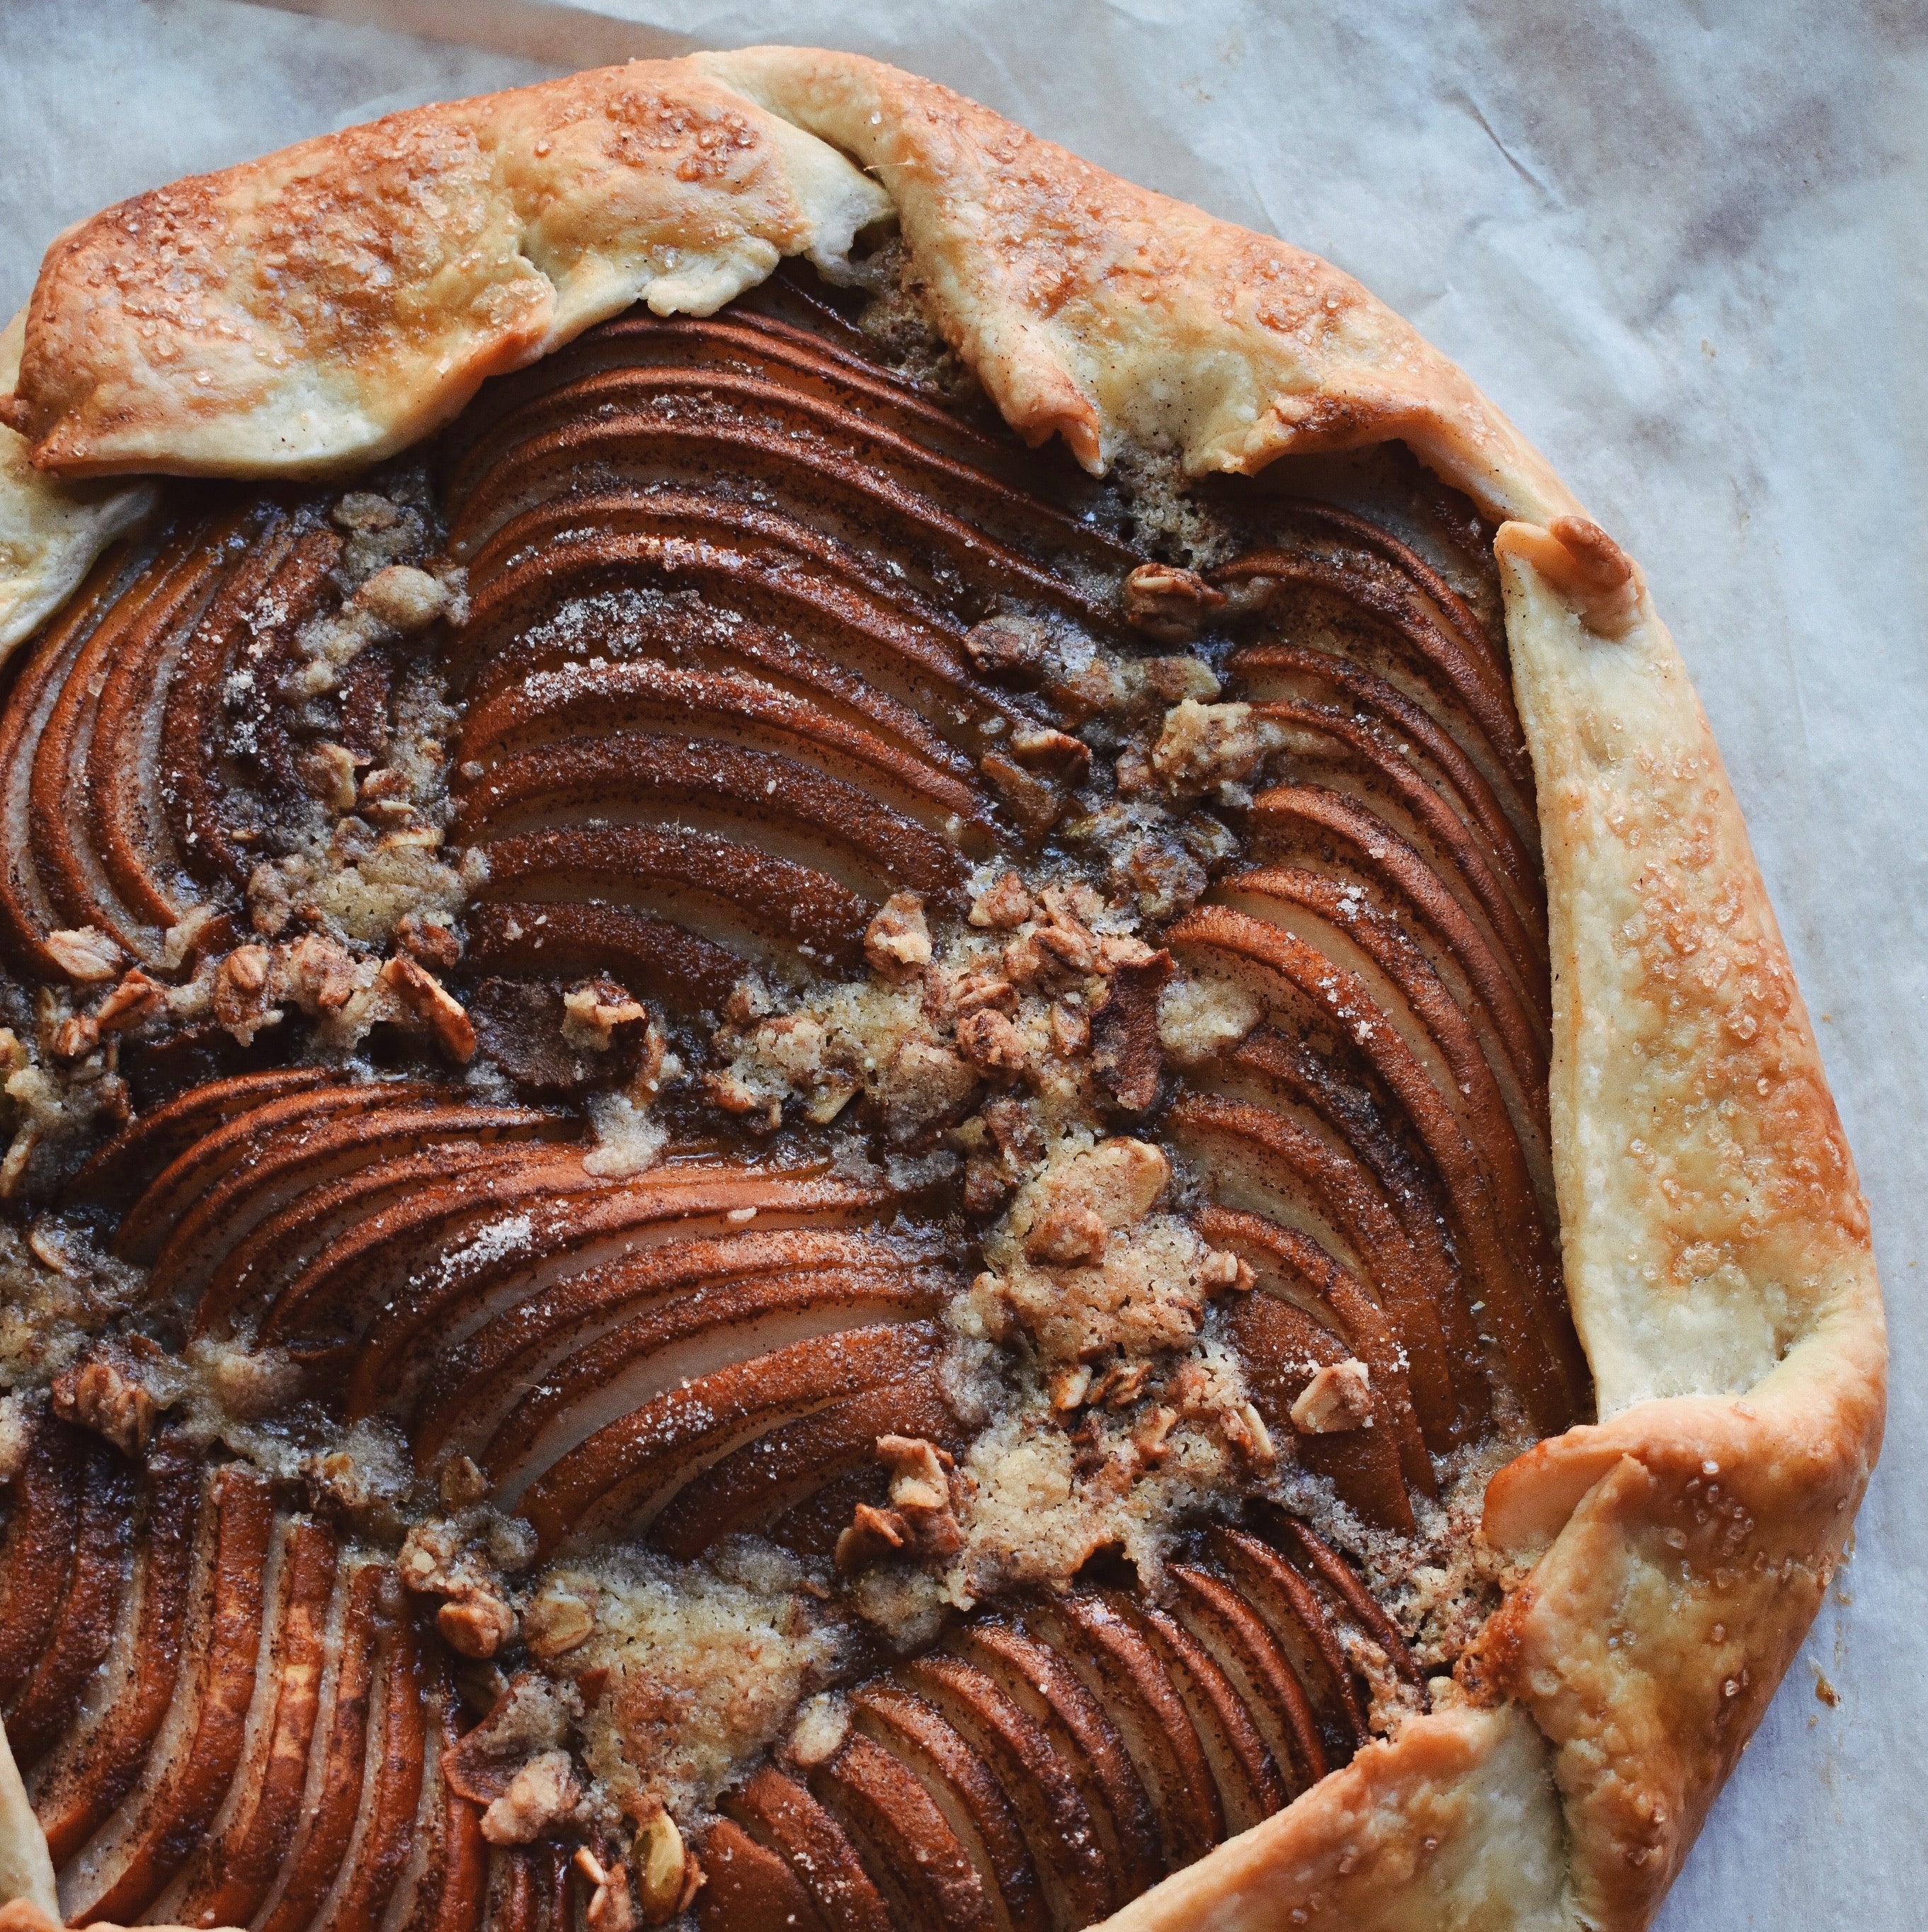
pixel 50 531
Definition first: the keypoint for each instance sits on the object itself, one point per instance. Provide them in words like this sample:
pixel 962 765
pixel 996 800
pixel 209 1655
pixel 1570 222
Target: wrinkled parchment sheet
pixel 1679 245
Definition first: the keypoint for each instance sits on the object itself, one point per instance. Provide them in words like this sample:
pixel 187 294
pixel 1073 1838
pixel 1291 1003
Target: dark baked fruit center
pixel 764 1160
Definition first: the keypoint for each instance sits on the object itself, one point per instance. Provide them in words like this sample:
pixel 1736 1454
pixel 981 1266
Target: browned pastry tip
pixel 1580 560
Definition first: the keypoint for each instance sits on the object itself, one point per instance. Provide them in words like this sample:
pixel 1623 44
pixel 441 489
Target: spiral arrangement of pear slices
pixel 718 700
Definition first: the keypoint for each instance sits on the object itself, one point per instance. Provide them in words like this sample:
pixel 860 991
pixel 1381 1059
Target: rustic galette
pixel 772 1153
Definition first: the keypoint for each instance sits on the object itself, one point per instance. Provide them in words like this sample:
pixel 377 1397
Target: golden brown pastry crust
pixel 1102 312
pixel 1716 1241
pixel 22 1915
pixel 333 303
pixel 1454 1823
pixel 50 531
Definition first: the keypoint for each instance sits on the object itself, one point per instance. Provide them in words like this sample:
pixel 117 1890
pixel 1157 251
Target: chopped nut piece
pixel 384 785
pixel 611 1907
pixel 1057 753
pixel 525 1717
pixel 663 1863
pixel 1224 1269
pixel 76 1037
pixel 425 994
pixel 1120 1384
pixel 897 941
pixel 593 1010
pixel 1206 745
pixel 835 1092
pixel 1034 803
pixel 1069 1386
pixel 136 998
pixel 180 938
pixel 983 989
pixel 246 968
pixel 461 1483
pixel 13 1167
pixel 411 838
pixel 872 1533
pixel 558 1620
pixel 1004 907
pixel 1149 1436
pixel 918 1481
pixel 429 1556
pixel 85 953
pixel 98 1395
pixel 434 945
pixel 1008 646
pixel 1338 1398
pixel 920 1518
pixel 327 770
pixel 734 1097
pixel 543 1793
pixel 48 1251
pixel 1071 1029
pixel 1022 962
pixel 321 976
pixel 477 1625
pixel 337 1478
pixel 406 599
pixel 1118 950
pixel 821 1727
pixel 987 1039
pixel 1171 605
pixel 1131 771
pixel 1069 1236
pixel 1246 1431
pixel 1069 942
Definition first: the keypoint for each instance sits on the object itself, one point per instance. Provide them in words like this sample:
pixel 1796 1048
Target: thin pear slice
pixel 50 1698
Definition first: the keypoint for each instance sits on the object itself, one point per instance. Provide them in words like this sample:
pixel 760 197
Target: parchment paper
pixel 1681 245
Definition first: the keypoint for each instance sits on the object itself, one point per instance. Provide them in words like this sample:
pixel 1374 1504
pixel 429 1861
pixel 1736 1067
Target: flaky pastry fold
pixel 50 531
pixel 330 304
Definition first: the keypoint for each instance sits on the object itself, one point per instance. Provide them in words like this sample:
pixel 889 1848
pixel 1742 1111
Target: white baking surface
pixel 1681 245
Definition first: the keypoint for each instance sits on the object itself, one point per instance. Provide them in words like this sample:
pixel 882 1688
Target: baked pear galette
pixel 883 1047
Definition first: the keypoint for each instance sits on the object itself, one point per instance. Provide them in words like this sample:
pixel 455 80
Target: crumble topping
pixel 1124 1411
pixel 685 1671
